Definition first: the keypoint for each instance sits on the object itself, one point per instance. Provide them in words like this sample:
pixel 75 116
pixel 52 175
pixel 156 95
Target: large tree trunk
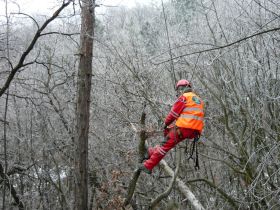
pixel 83 104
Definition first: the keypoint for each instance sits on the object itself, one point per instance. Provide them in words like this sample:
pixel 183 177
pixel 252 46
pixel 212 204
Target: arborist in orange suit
pixel 188 113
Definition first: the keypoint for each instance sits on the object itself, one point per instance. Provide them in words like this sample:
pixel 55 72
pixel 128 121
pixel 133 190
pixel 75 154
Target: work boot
pixel 144 169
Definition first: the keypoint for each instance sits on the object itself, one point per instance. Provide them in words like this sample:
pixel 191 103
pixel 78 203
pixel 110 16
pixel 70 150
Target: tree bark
pixel 83 104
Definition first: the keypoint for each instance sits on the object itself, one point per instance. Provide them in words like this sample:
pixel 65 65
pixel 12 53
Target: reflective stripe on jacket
pixel 192 115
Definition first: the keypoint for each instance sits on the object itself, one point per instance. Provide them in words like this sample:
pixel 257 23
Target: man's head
pixel 183 86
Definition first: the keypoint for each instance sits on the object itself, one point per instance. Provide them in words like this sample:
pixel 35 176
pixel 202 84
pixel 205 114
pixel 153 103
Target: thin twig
pixel 169 45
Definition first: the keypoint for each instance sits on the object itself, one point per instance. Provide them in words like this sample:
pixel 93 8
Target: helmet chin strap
pixel 182 90
pixel 179 92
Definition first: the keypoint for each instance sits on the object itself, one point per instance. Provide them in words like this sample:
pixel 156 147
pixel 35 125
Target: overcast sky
pixel 46 7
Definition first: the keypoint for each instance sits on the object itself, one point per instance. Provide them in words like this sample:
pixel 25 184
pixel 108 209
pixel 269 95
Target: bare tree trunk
pixel 5 114
pixel 83 104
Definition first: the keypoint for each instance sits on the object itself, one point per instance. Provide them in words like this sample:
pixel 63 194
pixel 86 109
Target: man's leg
pixel 157 153
pixel 173 138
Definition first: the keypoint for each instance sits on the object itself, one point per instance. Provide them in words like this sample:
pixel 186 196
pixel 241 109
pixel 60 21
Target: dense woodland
pixel 228 49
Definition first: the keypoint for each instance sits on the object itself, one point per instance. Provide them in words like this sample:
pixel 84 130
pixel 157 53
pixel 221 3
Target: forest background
pixel 228 49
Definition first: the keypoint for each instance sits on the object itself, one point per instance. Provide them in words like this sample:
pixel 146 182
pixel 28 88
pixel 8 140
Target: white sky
pixel 46 7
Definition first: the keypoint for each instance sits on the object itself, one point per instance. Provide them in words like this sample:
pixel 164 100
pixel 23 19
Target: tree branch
pixel 12 190
pixel 60 33
pixel 224 194
pixel 20 63
pixel 183 188
pixel 168 190
pixel 221 47
pixel 136 174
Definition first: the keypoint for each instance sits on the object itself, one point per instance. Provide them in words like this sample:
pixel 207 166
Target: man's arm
pixel 176 110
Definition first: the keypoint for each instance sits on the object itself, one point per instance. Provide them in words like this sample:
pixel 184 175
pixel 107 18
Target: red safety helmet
pixel 183 82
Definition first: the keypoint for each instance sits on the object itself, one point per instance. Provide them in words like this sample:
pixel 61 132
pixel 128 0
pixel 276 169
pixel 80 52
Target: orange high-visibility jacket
pixel 192 115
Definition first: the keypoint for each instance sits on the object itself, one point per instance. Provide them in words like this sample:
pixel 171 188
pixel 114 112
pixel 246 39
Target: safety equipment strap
pixel 194 148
